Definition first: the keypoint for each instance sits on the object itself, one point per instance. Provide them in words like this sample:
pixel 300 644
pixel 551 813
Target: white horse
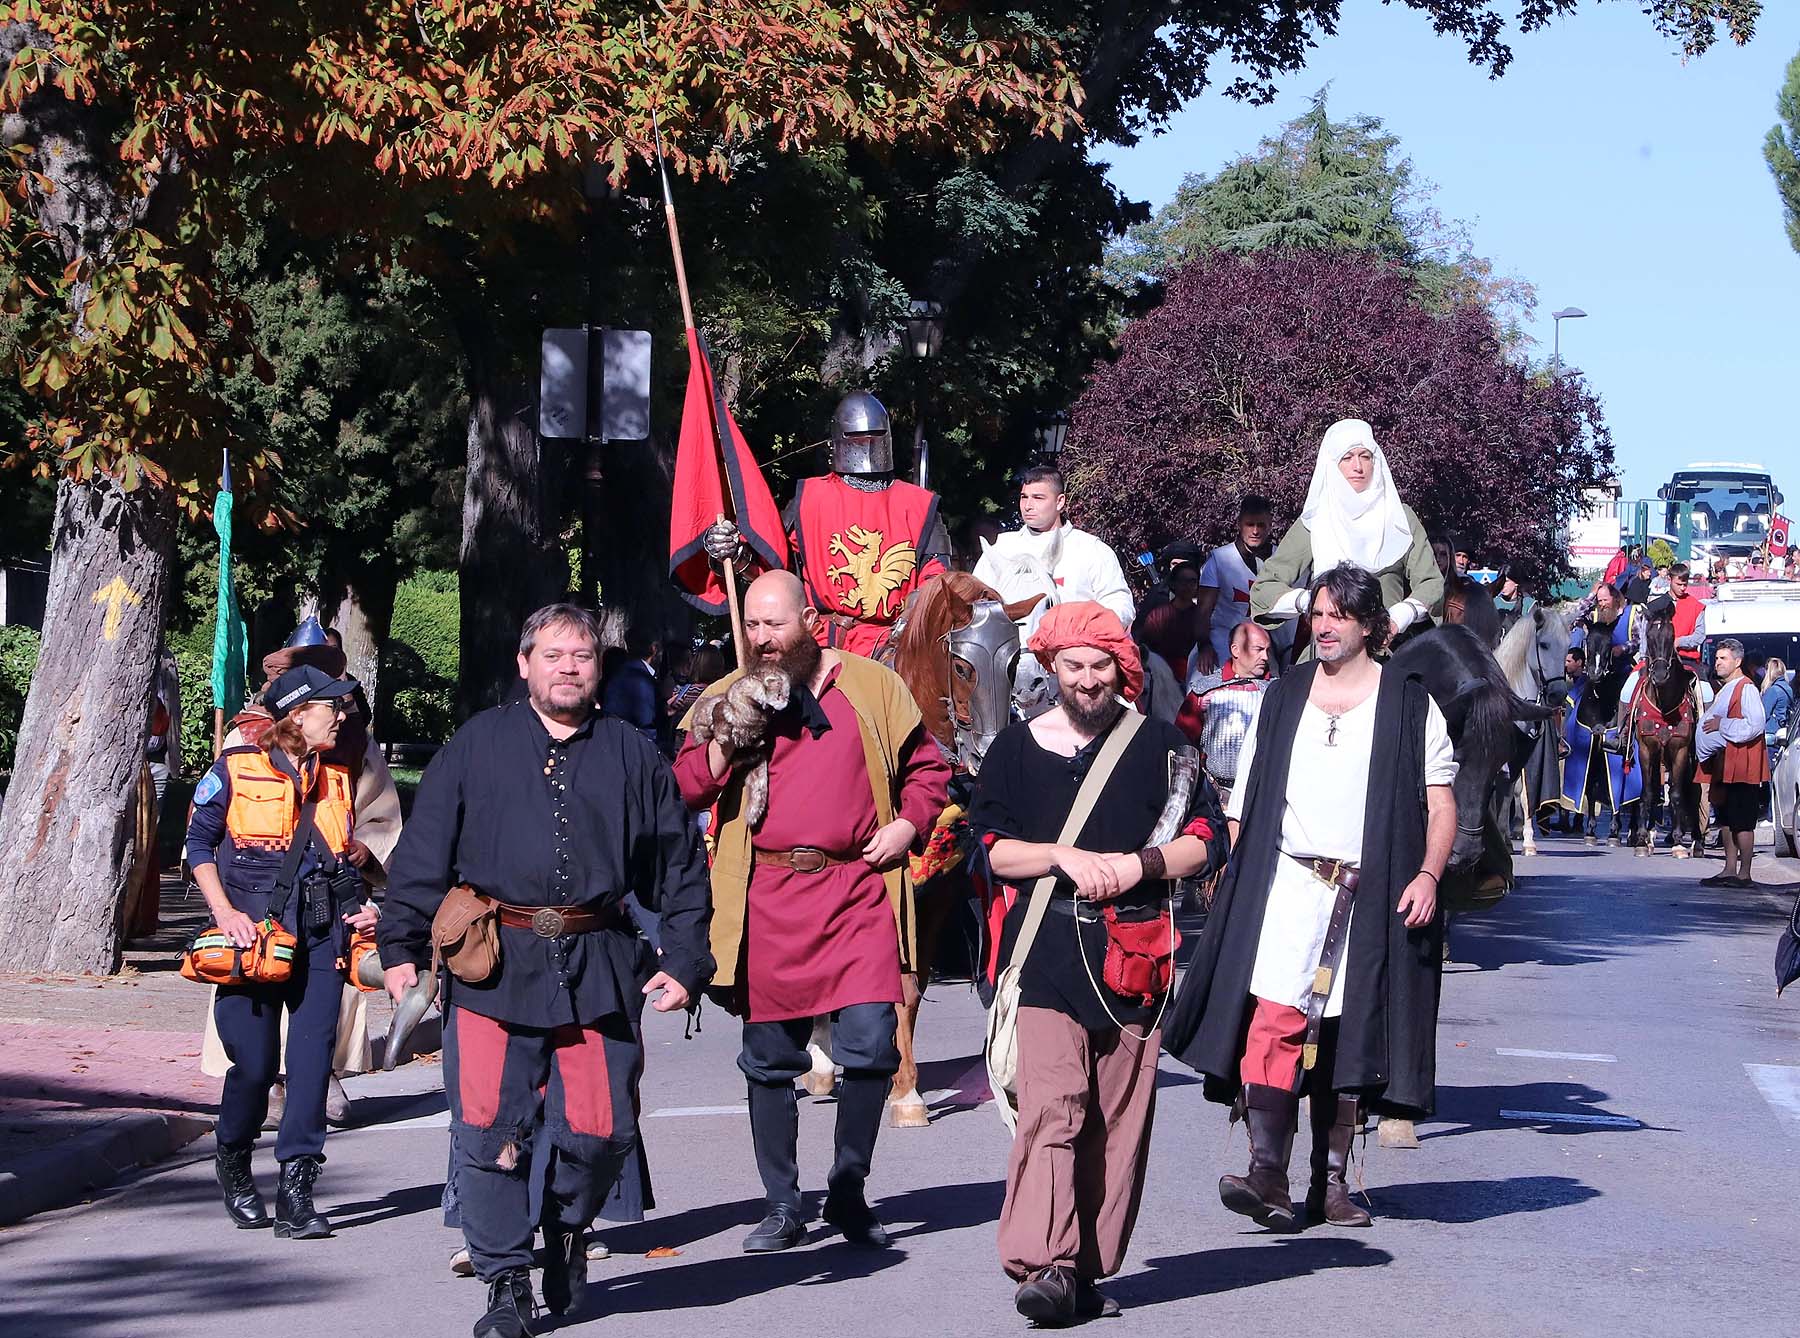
pixel 1531 656
pixel 1018 575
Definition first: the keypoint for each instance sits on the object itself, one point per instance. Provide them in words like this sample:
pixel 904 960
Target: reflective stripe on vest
pixel 264 804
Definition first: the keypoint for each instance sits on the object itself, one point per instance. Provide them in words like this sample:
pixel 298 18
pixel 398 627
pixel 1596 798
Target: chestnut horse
pixel 1662 713
pixel 955 648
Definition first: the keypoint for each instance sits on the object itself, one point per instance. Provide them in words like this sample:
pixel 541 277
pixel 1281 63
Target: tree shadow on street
pixel 1468 1201
pixel 1183 1277
pixel 92 1296
pixel 395 1203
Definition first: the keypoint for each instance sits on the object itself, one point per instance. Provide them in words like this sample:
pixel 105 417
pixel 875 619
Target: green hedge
pixel 420 660
pixel 18 657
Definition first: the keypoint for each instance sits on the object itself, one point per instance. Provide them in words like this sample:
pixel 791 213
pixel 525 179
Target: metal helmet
pixel 309 633
pixel 862 442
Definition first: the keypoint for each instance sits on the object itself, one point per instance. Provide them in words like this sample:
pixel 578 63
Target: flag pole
pixel 218 710
pixel 733 599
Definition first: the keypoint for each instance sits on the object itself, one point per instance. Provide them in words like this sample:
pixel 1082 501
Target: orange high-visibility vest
pixel 265 803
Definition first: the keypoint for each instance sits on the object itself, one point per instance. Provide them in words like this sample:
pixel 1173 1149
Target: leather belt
pixel 558 921
pixel 801 859
pixel 1344 876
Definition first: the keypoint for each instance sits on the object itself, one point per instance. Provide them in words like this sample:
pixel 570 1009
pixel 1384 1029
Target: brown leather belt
pixel 558 921
pixel 801 859
pixel 1344 876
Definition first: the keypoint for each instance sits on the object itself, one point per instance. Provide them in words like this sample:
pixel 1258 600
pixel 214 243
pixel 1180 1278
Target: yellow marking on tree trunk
pixel 115 596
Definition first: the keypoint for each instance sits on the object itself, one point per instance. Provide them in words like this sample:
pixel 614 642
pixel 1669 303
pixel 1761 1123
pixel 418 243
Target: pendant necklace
pixel 1331 723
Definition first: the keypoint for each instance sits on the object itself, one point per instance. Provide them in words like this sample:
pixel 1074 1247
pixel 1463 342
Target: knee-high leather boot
pixel 1336 1117
pixel 775 1137
pixel 1262 1194
pixel 861 1100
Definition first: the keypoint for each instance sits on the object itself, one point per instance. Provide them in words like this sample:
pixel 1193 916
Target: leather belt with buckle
pixel 557 921
pixel 801 859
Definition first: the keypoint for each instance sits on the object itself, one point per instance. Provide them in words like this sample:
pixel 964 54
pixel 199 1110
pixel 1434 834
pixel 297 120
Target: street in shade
pixel 1614 1151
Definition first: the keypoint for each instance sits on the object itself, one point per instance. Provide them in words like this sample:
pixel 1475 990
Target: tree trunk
pixel 362 608
pixel 512 562
pixel 635 590
pixel 67 833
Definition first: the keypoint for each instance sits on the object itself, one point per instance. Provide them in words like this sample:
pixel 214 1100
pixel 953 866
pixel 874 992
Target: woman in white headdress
pixel 1354 514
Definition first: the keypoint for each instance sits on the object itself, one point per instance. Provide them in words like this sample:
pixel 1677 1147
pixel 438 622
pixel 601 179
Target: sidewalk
pixel 100 1075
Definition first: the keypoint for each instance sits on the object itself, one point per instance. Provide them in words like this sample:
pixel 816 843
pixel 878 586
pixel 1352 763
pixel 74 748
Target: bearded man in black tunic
pixel 1318 968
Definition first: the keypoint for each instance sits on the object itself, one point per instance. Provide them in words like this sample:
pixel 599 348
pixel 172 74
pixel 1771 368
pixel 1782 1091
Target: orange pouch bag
pixel 213 959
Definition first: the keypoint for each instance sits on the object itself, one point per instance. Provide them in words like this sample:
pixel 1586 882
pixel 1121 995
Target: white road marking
pixel 1780 1087
pixel 1558 1054
pixel 1569 1117
pixel 742 1108
pixel 439 1120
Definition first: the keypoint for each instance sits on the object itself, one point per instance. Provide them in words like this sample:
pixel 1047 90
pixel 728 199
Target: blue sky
pixel 1606 172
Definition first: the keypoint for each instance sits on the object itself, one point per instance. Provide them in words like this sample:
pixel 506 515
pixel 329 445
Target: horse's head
pixel 1659 641
pixel 1550 642
pixel 984 653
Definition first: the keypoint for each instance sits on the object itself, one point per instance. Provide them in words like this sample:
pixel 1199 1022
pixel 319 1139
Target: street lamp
pixel 1052 432
pixel 1556 320
pixel 925 336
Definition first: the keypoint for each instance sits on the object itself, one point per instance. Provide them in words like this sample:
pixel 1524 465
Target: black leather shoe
pixel 1092 1303
pixel 295 1216
pixel 1047 1298
pixel 242 1203
pixel 565 1270
pixel 510 1306
pixel 782 1229
pixel 856 1220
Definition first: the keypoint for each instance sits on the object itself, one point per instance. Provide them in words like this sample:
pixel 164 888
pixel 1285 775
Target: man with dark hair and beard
pixel 1317 971
pixel 813 911
pixel 1087 1030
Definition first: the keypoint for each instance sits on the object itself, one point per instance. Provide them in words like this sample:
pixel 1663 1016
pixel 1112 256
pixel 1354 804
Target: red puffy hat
pixel 1087 624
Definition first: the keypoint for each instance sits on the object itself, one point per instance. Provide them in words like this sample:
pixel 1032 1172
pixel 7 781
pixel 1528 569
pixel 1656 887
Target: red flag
pixel 1778 536
pixel 699 492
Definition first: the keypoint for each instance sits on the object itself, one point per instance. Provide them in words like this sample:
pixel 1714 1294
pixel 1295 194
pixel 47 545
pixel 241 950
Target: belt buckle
pixel 807 859
pixel 1336 867
pixel 547 922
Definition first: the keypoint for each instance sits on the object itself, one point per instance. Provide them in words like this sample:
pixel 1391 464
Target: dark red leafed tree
pixel 1227 387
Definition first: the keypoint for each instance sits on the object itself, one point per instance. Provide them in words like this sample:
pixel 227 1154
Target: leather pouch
pixel 466 933
pixel 1140 956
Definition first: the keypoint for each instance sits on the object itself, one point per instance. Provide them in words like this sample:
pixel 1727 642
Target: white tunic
pixel 1082 565
pixel 1326 797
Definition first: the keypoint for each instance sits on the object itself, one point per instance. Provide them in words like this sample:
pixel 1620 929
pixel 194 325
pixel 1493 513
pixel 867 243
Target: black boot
pixel 861 1100
pixel 775 1137
pixel 565 1269
pixel 295 1215
pixel 1262 1192
pixel 1336 1119
pixel 242 1203
pixel 510 1306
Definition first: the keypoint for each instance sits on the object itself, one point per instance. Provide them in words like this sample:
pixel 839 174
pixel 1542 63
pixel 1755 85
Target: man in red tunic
pixel 863 540
pixel 813 911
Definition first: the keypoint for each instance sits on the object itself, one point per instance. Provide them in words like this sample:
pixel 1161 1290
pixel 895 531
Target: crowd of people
pixel 632 829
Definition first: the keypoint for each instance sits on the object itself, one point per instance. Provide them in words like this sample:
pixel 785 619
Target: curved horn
pixel 407 1014
pixel 368 971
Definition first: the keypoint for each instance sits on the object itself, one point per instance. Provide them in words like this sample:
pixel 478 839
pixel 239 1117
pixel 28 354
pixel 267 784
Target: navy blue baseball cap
pixel 302 684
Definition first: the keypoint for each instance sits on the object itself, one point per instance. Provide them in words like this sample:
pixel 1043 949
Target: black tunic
pixel 542 822
pixel 1387 1037
pixel 1025 792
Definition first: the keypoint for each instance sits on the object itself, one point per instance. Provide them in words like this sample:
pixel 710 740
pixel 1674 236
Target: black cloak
pixel 1387 1037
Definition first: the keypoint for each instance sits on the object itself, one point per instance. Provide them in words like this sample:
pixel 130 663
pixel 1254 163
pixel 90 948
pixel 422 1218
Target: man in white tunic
pixel 1079 565
pixel 1317 970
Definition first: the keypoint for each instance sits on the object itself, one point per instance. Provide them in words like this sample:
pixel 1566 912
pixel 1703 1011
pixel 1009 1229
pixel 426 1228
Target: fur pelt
pixel 738 717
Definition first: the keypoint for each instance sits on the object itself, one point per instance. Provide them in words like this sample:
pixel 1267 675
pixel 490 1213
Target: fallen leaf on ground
pixel 662 1252
pixel 1462 1045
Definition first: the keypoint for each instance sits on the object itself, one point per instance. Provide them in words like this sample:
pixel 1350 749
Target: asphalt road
pixel 1615 1152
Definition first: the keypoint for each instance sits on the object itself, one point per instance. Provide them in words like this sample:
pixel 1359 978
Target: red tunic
pixel 817 942
pixel 860 555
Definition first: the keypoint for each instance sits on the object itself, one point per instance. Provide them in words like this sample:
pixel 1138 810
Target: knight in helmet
pixel 863 539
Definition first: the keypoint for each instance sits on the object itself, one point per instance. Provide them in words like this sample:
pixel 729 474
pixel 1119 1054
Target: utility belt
pixel 465 932
pixel 1343 875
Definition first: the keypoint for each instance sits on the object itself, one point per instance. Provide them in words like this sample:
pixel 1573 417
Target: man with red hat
pixel 1087 811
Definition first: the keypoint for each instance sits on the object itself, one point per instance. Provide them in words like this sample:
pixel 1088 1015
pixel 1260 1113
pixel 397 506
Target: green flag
pixel 228 635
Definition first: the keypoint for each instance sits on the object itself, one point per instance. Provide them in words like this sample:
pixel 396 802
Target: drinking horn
pixel 407 1013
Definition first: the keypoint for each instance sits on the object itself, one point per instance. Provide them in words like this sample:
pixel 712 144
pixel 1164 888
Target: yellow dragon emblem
pixel 873 574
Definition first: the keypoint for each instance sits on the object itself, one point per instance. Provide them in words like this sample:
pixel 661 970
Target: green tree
pixel 1781 149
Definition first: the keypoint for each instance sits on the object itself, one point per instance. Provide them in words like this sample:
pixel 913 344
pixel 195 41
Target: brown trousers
pixel 1076 1176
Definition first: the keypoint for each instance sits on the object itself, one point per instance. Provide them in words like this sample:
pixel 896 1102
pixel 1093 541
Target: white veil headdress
pixel 1368 528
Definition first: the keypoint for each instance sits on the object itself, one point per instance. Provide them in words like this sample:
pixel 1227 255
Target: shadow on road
pixel 1467 1201
pixel 1182 1277
pixel 1472 1109
pixel 85 1297
pixel 395 1203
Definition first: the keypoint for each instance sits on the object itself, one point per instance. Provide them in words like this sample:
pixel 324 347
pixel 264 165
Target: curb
pixel 92 1160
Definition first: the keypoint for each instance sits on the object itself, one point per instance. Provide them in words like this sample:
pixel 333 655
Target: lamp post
pixel 1556 320
pixel 1052 432
pixel 925 336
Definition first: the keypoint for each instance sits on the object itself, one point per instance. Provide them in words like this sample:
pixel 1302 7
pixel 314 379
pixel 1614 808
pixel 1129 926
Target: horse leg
pixel 906 1108
pixel 821 1079
pixel 1523 799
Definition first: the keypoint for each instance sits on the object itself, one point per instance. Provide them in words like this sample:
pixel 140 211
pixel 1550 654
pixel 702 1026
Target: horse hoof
pixel 1396 1134
pixel 819 1084
pixel 1643 852
pixel 909 1116
pixel 1681 852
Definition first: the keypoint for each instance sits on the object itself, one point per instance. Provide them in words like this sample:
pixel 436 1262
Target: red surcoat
pixel 860 555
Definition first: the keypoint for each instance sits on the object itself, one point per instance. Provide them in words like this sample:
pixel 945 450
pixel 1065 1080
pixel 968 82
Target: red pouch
pixel 1140 956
